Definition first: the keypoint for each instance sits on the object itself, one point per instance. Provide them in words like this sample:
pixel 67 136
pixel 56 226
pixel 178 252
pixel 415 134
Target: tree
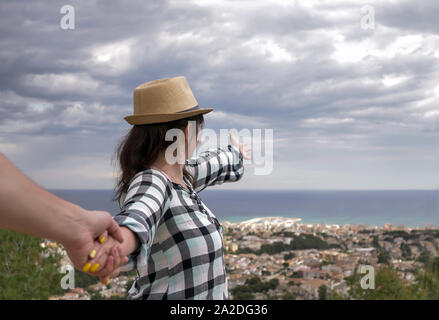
pixel 322 292
pixel 424 256
pixel 288 296
pixel 254 284
pixel 383 257
pixel 273 283
pixel 289 255
pixel 274 248
pixel 406 251
pixel 308 241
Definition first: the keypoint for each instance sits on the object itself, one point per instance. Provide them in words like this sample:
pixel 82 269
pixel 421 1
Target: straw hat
pixel 164 100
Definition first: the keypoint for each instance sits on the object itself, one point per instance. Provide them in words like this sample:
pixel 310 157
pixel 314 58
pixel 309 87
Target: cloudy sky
pixel 350 88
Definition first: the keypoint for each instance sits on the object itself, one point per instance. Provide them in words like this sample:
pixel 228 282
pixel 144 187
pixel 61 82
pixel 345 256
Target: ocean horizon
pixel 409 208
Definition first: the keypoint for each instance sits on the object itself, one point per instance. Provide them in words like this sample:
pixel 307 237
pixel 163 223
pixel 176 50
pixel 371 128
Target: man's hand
pixel 91 231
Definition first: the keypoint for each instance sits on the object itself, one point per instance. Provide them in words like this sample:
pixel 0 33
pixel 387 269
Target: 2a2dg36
pixel 253 309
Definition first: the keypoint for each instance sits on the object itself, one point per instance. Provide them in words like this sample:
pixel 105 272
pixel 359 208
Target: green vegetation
pixel 428 280
pixel 399 234
pixel 383 256
pixel 255 284
pixel 424 257
pixel 288 296
pixel 406 251
pixel 308 241
pixel 83 280
pixel 302 242
pixel 431 233
pixel 240 251
pixel 323 291
pixel 289 256
pixel 413 235
pixel 273 248
pixel 333 295
pixel 390 286
pixel 242 295
pixel 25 272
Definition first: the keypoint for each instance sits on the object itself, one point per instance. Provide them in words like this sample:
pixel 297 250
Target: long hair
pixel 141 147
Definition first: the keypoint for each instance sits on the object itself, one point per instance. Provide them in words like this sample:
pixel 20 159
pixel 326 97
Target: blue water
pixel 408 208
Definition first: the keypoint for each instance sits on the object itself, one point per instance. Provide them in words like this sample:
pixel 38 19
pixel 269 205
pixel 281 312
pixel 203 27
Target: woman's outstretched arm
pixel 218 165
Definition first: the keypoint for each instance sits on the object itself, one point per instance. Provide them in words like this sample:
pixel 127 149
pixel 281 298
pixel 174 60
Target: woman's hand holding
pixel 106 261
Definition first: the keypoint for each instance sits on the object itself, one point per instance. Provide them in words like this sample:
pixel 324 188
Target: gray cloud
pixel 336 95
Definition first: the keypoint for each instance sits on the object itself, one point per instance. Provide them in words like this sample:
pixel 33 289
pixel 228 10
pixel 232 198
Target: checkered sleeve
pixel 145 202
pixel 216 166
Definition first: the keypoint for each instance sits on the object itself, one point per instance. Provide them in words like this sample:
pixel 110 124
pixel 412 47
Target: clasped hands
pixel 106 259
pixel 96 246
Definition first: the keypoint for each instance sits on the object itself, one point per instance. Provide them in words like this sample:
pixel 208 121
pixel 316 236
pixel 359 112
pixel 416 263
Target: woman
pixel 172 239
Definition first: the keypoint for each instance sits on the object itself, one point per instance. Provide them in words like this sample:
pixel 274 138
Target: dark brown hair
pixel 141 147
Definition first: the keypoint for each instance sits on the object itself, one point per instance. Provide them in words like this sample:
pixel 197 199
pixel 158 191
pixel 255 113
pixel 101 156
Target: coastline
pixel 278 220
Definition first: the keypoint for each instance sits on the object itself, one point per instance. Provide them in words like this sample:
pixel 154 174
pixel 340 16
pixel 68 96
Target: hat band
pixel 190 109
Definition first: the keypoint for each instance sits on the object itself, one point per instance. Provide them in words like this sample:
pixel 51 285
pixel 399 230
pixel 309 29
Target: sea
pixel 409 208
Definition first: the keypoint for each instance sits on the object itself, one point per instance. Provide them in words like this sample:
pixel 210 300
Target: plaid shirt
pixel 181 243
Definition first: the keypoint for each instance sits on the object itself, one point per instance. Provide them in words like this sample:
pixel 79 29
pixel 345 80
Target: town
pixel 281 258
pixel 284 259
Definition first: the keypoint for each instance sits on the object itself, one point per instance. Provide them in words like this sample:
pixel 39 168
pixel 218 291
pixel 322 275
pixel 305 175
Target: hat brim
pixel 140 119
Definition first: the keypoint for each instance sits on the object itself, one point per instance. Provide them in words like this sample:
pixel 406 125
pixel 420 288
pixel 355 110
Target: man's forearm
pixel 28 208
